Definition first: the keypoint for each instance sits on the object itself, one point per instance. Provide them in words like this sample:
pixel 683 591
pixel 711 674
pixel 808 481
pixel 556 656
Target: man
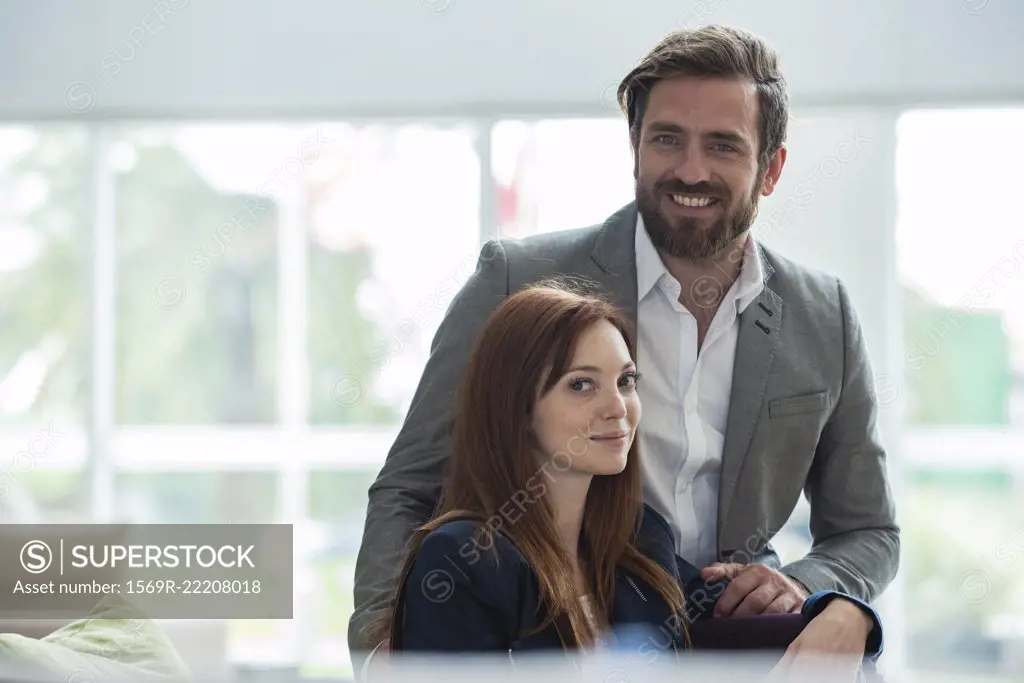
pixel 757 385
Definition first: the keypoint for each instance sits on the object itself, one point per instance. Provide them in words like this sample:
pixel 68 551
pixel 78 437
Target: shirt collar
pixel 649 266
pixel 650 269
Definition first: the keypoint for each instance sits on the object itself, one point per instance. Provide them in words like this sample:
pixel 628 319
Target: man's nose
pixel 692 166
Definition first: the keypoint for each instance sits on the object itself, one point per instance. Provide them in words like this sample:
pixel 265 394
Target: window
pixel 961 259
pixel 231 320
pixel 45 209
pixel 241 281
pixel 560 174
pixel 394 232
pixel 197 319
pixel 961 264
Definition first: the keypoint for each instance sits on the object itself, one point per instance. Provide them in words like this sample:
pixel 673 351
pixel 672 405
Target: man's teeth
pixel 686 200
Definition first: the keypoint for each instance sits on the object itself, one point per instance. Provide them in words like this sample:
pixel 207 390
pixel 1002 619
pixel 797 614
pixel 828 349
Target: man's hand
pixel 830 648
pixel 755 589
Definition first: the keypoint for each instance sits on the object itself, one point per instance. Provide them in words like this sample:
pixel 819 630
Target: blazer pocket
pixel 795 405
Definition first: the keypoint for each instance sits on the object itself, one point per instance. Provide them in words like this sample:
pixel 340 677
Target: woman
pixel 541 539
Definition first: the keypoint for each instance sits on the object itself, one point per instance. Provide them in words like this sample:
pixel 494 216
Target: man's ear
pixel 634 143
pixel 774 171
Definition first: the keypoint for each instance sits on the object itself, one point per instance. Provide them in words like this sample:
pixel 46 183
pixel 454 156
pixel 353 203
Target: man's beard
pixel 684 238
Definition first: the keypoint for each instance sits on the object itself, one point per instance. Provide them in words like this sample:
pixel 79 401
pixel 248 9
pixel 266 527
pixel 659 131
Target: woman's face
pixel 588 420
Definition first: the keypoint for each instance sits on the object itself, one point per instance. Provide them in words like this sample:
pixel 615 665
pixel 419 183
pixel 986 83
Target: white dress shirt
pixel 684 396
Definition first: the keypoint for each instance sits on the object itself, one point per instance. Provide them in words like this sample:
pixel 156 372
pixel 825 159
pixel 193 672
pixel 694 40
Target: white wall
pixel 416 57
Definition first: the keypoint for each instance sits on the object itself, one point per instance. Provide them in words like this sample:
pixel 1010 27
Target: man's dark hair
pixel 713 52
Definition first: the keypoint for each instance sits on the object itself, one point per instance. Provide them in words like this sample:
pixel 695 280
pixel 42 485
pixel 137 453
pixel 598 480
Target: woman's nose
pixel 615 407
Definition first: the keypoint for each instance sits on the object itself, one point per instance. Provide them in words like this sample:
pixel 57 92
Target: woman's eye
pixel 577 384
pixel 630 379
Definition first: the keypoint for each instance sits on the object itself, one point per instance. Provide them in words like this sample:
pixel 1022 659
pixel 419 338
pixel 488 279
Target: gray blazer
pixel 802 418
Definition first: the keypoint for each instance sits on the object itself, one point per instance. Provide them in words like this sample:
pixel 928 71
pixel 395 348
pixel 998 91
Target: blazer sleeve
pixel 856 545
pixel 817 602
pixel 408 486
pixel 458 597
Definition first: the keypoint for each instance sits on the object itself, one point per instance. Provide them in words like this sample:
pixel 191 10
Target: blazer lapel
pixel 758 338
pixel 615 254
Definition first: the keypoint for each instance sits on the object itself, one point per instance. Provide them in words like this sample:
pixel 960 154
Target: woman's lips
pixel 614 437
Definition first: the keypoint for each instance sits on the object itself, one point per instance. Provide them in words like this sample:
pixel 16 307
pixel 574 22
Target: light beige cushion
pixel 113 642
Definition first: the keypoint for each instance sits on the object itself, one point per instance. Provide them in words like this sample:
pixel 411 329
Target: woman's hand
pixel 830 648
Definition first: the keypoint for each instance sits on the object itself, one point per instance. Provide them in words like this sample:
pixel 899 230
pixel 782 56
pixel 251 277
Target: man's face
pixel 697 176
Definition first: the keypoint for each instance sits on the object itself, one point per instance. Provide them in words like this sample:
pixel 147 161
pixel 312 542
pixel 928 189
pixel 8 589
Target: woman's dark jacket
pixel 460 596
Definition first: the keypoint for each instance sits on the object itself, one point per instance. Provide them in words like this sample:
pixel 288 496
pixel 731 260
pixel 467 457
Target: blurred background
pixel 228 232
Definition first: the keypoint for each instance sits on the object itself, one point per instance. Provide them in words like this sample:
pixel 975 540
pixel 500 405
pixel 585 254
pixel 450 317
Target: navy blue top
pixel 461 597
